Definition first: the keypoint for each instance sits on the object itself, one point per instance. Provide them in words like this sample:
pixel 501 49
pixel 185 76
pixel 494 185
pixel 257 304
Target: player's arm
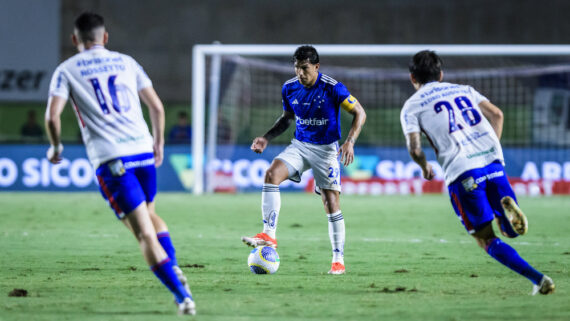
pixel 156 112
pixel 283 122
pixel 494 115
pixel 53 127
pixel 414 145
pixel 346 151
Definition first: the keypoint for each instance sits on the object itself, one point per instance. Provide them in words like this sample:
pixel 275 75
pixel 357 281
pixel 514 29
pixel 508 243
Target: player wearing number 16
pixel 104 87
pixel 464 128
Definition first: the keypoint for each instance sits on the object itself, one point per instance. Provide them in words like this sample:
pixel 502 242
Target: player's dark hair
pixel 86 23
pixel 425 66
pixel 307 52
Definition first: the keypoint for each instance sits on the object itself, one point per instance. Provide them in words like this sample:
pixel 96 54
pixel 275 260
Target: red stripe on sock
pixel 162 234
pixel 489 244
pixel 159 264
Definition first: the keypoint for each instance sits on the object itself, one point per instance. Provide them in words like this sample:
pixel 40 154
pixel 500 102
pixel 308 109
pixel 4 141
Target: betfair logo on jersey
pixel 311 121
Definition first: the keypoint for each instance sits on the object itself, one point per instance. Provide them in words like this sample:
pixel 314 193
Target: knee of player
pixel 270 177
pixel 146 236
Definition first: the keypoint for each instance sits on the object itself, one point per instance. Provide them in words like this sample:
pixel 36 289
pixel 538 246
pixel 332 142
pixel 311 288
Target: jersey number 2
pixel 470 114
pixel 114 91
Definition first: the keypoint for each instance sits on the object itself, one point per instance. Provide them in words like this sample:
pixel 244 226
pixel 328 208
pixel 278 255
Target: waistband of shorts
pixel 134 161
pixel 333 145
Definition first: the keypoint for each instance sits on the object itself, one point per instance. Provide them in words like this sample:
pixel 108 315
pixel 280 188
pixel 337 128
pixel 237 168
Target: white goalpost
pixel 205 56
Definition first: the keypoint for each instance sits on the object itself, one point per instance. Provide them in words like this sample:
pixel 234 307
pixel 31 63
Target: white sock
pixel 336 234
pixel 270 206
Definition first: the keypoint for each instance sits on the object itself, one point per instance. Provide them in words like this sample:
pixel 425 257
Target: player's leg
pixel 270 205
pixel 289 164
pixel 326 170
pixel 162 233
pixel 140 224
pixel 510 218
pixel 125 194
pixel 469 199
pixel 146 175
pixel 509 257
pixel 163 236
pixel 331 201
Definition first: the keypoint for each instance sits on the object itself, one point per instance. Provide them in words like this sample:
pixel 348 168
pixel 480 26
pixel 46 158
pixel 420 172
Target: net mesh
pixel 531 91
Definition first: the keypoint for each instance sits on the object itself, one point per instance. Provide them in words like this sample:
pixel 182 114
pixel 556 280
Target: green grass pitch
pixel 407 258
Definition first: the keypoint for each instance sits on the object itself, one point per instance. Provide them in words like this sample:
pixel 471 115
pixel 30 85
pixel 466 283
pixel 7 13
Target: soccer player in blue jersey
pixel 464 128
pixel 313 100
pixel 105 88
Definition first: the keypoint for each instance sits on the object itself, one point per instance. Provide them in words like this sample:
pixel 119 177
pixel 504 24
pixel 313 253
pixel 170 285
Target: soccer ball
pixel 263 260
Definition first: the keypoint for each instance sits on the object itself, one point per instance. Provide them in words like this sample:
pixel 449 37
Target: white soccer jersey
pixel 103 86
pixel 449 115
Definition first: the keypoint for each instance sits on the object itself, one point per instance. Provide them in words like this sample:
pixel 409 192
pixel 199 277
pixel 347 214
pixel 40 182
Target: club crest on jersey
pixel 469 184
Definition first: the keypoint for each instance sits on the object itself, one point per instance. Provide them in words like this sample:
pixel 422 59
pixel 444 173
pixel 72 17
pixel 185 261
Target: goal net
pixel 242 85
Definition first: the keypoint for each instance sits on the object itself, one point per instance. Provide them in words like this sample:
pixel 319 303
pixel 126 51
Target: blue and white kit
pixel 317 120
pixel 103 86
pixel 466 146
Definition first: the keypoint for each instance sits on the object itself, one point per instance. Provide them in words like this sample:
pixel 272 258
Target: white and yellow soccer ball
pixel 263 260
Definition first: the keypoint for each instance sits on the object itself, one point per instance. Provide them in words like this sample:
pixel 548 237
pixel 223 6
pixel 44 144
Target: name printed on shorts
pixel 139 163
pixel 489 176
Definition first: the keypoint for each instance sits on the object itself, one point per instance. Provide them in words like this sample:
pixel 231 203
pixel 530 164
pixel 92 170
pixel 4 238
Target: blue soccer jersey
pixel 317 109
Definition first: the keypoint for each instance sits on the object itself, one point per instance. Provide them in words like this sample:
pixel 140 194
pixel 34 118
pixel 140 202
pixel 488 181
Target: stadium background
pixel 160 35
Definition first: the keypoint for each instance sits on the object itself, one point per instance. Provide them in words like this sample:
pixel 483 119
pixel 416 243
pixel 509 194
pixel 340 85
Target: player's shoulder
pixel 69 62
pixel 291 82
pixel 328 80
pixel 412 101
pixel 120 57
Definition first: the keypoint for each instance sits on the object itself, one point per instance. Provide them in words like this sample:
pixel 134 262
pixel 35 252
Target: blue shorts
pixel 127 181
pixel 476 197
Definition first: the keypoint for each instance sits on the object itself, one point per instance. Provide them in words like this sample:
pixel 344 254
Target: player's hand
pixel 428 172
pixel 53 154
pixel 158 154
pixel 259 144
pixel 346 153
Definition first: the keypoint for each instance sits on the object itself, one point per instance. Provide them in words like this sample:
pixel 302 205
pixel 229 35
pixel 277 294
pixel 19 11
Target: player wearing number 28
pixel 104 87
pixel 313 100
pixel 464 128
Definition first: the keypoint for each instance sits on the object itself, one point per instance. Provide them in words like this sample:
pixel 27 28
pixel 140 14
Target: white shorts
pixel 322 159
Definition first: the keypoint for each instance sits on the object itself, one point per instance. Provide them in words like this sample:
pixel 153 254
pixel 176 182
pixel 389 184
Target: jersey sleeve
pixel 477 96
pixel 59 84
pixel 409 120
pixel 343 97
pixel 286 106
pixel 143 80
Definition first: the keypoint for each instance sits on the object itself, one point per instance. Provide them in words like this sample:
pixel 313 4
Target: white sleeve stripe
pixel 291 80
pixel 328 80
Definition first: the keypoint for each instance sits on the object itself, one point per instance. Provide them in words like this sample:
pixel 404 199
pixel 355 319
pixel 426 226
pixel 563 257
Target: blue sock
pixel 505 254
pixel 166 275
pixel 166 242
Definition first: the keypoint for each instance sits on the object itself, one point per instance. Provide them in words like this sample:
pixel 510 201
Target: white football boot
pixel 182 278
pixel 187 307
pixel 546 286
